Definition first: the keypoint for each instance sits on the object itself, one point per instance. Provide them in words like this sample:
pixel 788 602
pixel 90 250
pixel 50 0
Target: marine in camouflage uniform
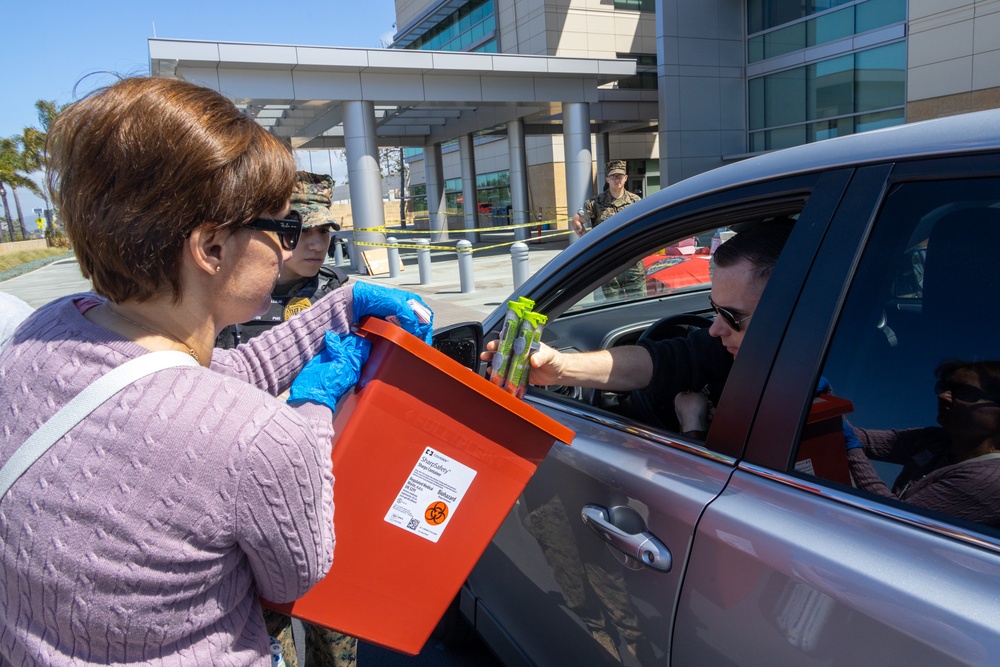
pixel 311 198
pixel 632 281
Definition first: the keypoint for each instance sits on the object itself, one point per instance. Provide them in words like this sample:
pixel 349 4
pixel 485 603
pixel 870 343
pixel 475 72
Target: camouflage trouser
pixel 629 283
pixel 324 648
pixel 597 596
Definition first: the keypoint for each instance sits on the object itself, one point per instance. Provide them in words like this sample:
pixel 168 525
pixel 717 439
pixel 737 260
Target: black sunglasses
pixel 288 229
pixel 963 393
pixel 728 316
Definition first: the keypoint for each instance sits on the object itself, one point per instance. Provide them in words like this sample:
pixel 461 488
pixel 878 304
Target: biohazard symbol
pixel 436 513
pixel 296 306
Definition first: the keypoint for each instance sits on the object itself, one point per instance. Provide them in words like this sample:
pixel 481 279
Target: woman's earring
pixel 218 268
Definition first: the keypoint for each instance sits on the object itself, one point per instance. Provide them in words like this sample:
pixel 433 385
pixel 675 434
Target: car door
pixel 555 586
pixel 794 563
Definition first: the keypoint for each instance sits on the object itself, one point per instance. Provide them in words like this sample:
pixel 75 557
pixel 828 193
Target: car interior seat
pixel 959 312
pixel 961 287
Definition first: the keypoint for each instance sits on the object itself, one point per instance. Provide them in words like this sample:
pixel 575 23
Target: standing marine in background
pixel 303 278
pixel 632 281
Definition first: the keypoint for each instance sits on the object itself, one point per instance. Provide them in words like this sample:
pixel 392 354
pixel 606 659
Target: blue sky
pixel 55 47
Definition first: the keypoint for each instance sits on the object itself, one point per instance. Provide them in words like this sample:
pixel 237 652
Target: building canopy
pixel 419 97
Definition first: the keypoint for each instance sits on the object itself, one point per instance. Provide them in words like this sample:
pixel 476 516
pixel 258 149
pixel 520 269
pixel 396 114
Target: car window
pixel 907 408
pixel 681 265
pixel 674 304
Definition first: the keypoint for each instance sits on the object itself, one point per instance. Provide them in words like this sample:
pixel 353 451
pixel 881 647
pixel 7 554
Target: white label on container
pixel 430 495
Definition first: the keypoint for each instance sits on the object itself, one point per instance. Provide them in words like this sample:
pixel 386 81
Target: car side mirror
pixel 462 342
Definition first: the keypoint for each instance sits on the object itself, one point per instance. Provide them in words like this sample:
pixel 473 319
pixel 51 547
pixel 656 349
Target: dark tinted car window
pixel 908 405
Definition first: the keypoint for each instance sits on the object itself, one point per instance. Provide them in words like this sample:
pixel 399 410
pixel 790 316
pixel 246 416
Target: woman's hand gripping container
pixel 429 458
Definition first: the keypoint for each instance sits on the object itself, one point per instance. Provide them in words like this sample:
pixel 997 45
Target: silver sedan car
pixel 835 512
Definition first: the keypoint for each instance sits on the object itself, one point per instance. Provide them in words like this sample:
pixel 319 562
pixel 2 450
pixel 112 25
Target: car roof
pixel 965 133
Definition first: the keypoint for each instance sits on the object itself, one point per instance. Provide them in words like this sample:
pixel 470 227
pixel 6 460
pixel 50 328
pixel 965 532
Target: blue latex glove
pixel 850 437
pixel 331 373
pixel 386 303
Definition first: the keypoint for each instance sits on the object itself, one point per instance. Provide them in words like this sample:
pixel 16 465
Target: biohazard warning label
pixel 430 495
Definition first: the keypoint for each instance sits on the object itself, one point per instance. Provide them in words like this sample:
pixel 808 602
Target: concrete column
pixel 579 162
pixel 518 177
pixel 436 203
pixel 365 180
pixel 470 195
pixel 601 157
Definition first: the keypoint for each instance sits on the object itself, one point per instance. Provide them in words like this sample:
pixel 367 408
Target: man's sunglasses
pixel 962 393
pixel 288 229
pixel 729 317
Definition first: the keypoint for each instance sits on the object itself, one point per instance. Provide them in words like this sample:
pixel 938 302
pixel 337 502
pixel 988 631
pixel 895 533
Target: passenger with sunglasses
pixel 149 531
pixel 660 370
pixel 953 469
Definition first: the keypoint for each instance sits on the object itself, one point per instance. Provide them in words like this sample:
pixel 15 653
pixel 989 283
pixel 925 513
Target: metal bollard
pixel 424 261
pixel 519 262
pixel 338 252
pixel 353 256
pixel 393 254
pixel 466 278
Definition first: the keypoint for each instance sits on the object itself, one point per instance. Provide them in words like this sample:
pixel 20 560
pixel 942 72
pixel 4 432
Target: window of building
pixel 831 26
pixel 418 195
pixel 764 14
pixel 645 72
pixel 493 189
pixel 471 27
pixel 636 5
pixel 830 98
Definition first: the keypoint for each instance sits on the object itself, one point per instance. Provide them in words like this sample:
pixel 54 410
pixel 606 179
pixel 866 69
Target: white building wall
pixel 953 57
pixel 702 89
pixel 408 10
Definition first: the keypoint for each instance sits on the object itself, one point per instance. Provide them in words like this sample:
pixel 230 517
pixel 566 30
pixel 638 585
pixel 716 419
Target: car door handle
pixel 643 546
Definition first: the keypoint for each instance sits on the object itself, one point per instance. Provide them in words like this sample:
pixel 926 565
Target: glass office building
pixel 732 79
pixel 470 27
pixel 826 68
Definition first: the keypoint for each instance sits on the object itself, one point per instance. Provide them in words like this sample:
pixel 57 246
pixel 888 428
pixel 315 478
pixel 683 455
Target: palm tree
pixel 33 145
pixel 14 173
pixel 8 174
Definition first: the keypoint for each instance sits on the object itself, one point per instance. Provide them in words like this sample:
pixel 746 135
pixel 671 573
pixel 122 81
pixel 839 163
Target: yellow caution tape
pixel 450 248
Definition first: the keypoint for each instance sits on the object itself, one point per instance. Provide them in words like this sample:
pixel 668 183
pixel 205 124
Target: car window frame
pixel 821 192
pixel 785 404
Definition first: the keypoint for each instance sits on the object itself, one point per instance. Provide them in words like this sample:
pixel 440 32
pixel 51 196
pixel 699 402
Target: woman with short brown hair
pixel 147 533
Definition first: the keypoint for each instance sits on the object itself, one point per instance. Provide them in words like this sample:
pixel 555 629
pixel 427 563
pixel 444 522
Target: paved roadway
pixel 494 281
pixel 491 269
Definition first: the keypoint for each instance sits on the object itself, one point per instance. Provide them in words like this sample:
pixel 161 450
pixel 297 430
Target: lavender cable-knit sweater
pixel 146 534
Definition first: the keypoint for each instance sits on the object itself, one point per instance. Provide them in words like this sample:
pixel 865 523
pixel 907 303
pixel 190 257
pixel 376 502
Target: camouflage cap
pixel 615 167
pixel 311 197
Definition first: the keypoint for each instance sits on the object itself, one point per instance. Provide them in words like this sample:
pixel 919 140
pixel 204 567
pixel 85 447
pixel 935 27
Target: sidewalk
pixel 492 271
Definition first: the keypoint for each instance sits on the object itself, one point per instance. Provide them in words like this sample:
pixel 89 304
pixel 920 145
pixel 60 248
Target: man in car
pixel 664 369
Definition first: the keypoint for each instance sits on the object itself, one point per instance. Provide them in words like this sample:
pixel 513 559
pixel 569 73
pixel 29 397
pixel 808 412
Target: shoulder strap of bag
pixel 331 277
pixel 88 400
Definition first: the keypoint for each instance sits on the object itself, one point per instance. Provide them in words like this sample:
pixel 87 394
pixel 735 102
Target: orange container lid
pixel 372 326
